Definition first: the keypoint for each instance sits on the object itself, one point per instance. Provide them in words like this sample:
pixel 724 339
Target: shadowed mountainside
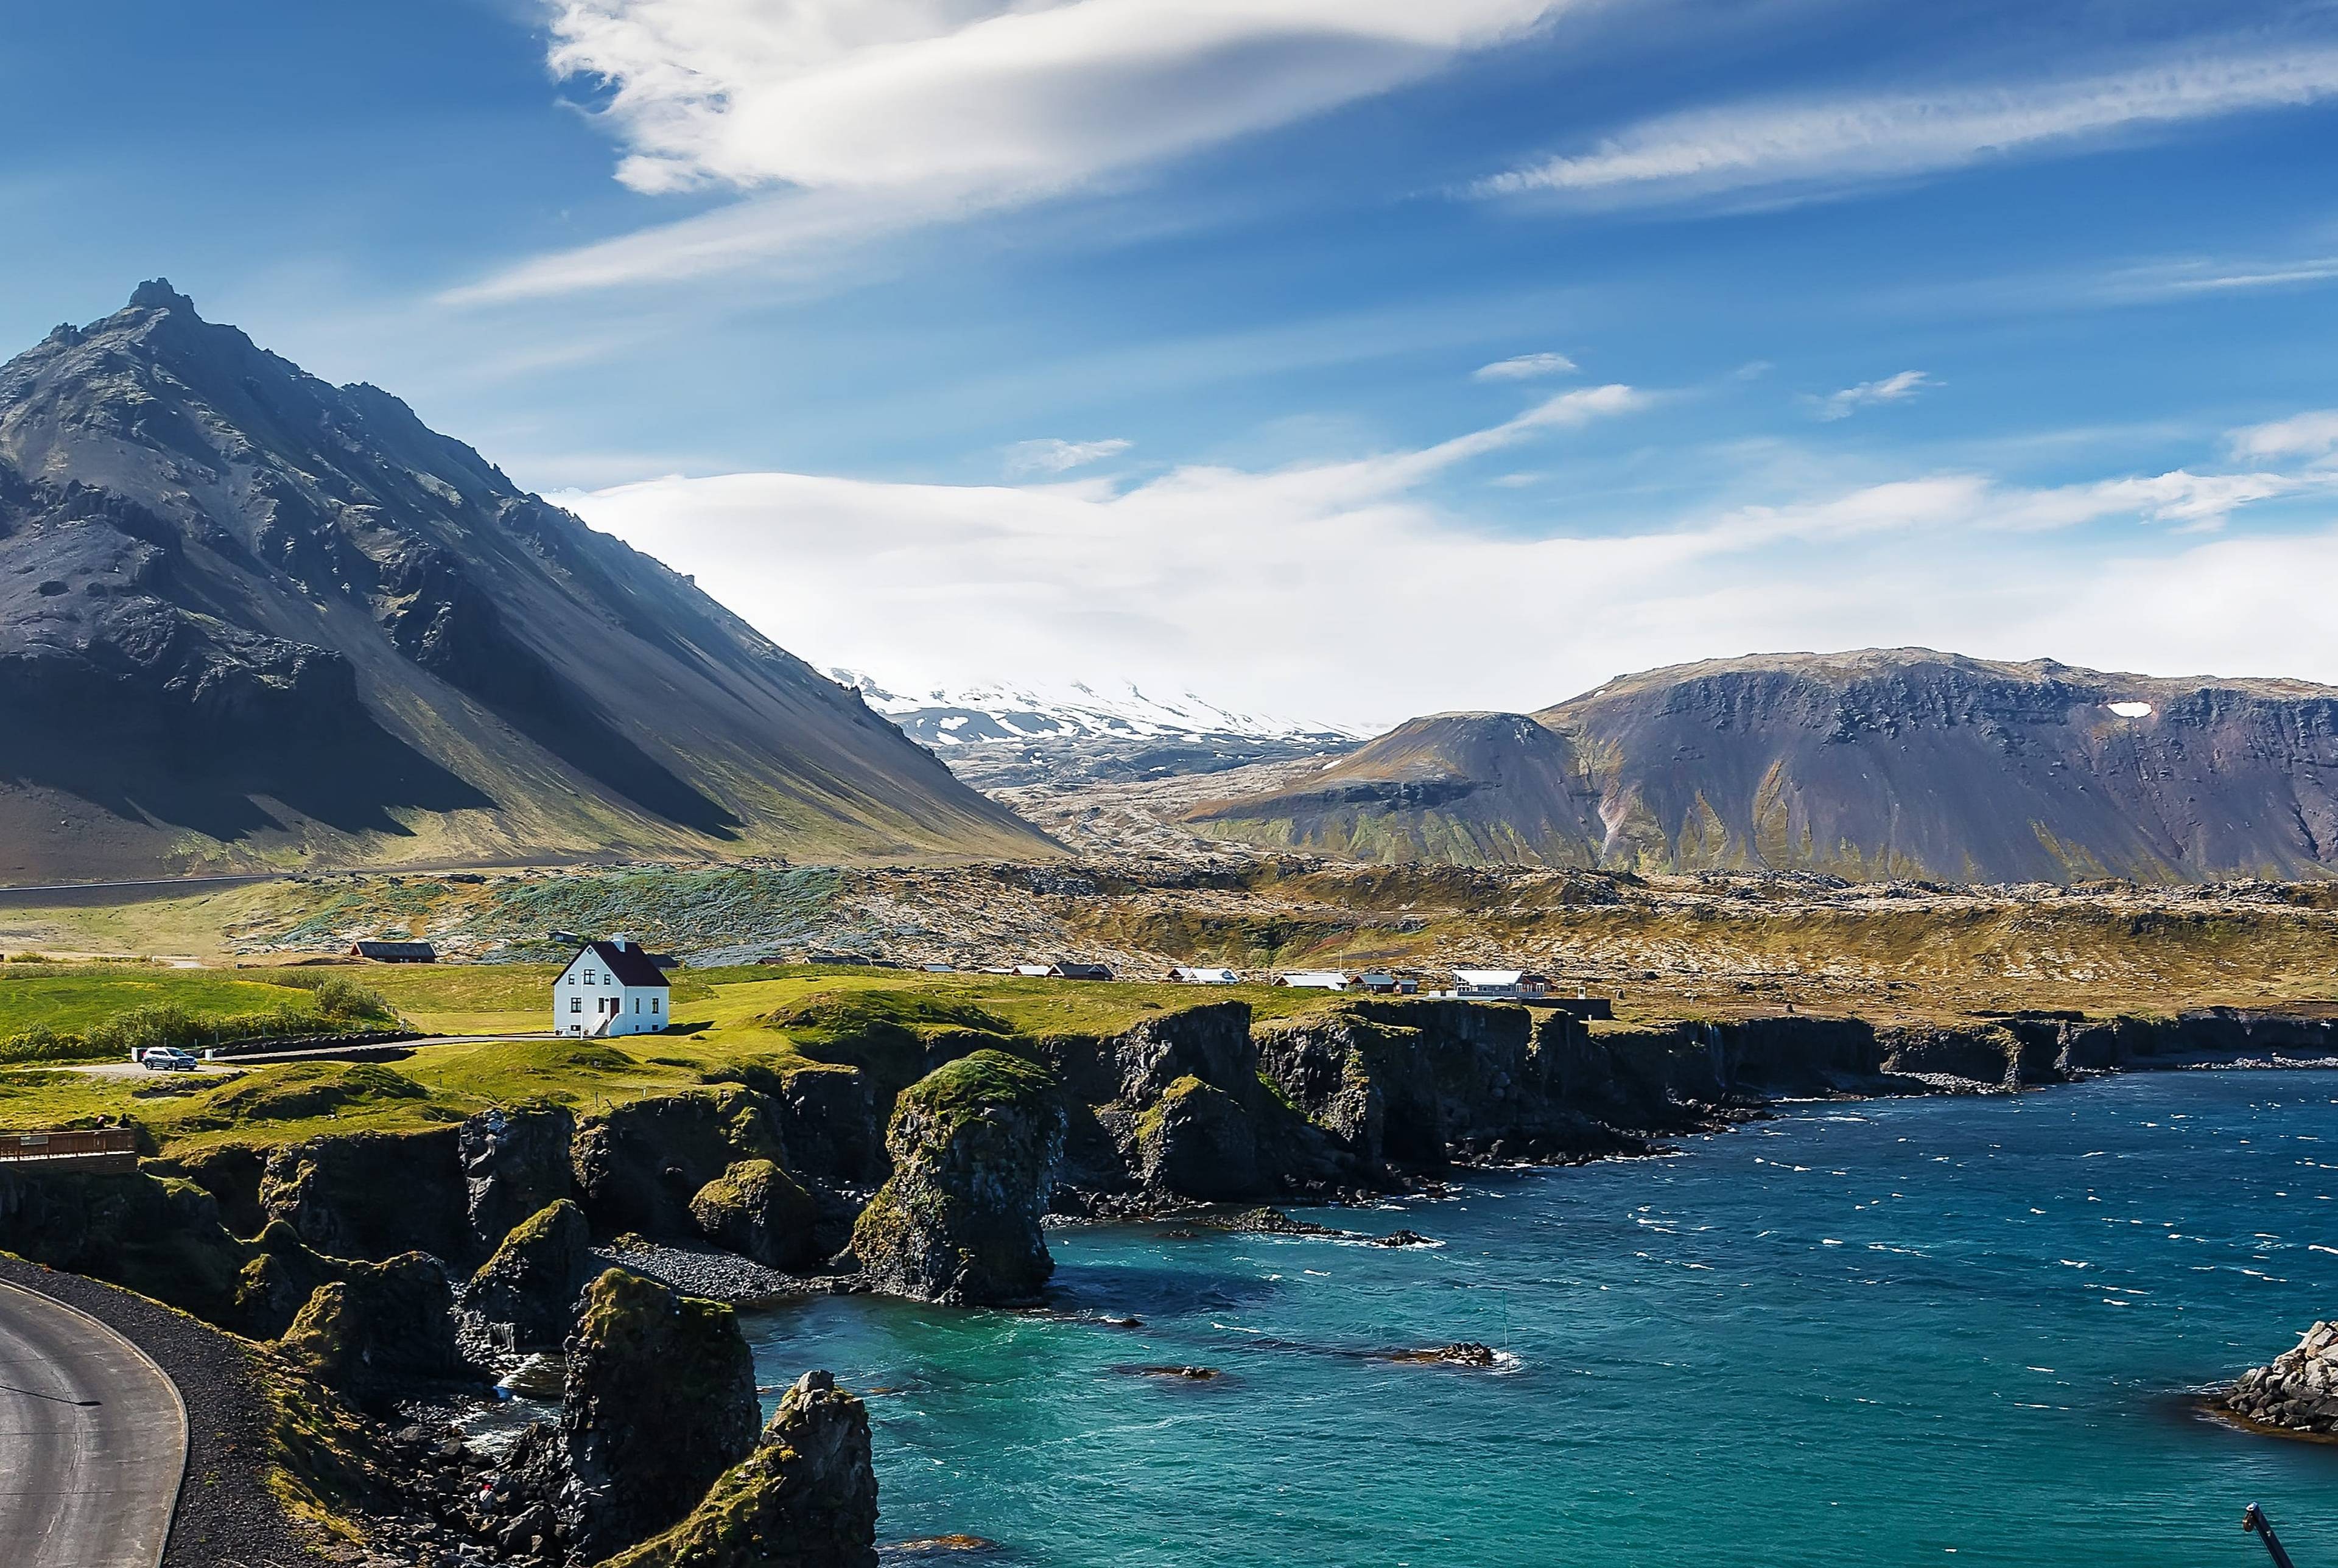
pixel 247 618
pixel 1879 763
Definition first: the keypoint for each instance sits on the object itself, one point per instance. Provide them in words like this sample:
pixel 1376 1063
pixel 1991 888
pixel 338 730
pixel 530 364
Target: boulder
pixel 2298 1390
pixel 514 1164
pixel 975 1144
pixel 378 1328
pixel 806 1498
pixel 1196 1141
pixel 638 1165
pixel 661 1400
pixel 760 1212
pixel 529 1287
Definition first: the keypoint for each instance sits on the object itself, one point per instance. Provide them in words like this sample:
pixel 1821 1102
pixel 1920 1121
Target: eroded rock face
pixel 975 1144
pixel 370 1194
pixel 639 1165
pixel 1985 1055
pixel 528 1289
pixel 2299 1390
pixel 514 1164
pixel 661 1400
pixel 759 1211
pixel 806 1498
pixel 378 1327
pixel 157 1235
pixel 1197 1141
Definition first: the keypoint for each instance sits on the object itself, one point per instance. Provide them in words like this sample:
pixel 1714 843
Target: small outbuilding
pixel 1069 970
pixel 1204 974
pixel 394 952
pixel 611 987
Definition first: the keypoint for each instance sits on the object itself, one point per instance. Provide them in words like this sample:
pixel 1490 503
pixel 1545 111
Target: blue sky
pixel 1339 357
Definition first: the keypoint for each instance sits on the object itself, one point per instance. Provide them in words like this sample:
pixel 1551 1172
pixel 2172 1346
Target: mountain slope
pixel 1900 762
pixel 248 618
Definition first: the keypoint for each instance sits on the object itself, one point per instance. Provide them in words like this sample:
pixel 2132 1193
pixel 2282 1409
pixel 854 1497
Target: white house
pixel 1191 974
pixel 1485 983
pixel 1314 979
pixel 610 988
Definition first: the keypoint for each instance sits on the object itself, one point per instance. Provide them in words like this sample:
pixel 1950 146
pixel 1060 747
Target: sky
pixel 1340 359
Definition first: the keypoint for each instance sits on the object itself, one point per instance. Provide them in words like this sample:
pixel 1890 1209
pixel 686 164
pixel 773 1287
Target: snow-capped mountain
pixel 998 736
pixel 974 715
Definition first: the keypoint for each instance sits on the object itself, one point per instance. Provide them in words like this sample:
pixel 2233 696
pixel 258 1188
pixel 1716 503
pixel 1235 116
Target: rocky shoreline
pixel 2297 1394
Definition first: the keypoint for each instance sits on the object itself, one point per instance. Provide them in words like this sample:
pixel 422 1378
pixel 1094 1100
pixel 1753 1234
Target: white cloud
pixel 1816 143
pixel 1338 591
pixel 2314 435
pixel 1525 368
pixel 1896 388
pixel 1051 455
pixel 864 116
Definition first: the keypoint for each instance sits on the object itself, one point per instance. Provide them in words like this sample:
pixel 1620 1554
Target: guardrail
pixel 106 1147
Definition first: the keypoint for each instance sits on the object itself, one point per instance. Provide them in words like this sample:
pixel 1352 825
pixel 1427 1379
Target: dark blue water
pixel 1921 1331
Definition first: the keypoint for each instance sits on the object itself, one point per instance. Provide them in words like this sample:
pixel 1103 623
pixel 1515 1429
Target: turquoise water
pixel 1921 1331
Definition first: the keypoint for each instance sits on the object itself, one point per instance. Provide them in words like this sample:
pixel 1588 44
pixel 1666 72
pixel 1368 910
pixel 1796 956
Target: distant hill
pixel 249 619
pixel 1007 737
pixel 1877 764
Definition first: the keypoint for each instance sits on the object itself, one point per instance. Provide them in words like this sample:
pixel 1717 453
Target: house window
pixel 653 1004
pixel 590 978
pixel 637 1004
pixel 577 1004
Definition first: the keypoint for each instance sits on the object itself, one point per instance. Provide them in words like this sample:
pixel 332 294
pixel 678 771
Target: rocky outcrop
pixel 2298 1392
pixel 159 1236
pixel 806 1498
pixel 515 1163
pixel 639 1165
pixel 759 1211
pixel 378 1328
pixel 661 1400
pixel 278 1280
pixel 975 1144
pixel 372 1194
pixel 526 1293
pixel 1196 1141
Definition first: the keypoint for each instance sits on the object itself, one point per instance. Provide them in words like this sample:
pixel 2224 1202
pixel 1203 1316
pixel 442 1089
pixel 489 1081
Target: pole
pixel 2257 1524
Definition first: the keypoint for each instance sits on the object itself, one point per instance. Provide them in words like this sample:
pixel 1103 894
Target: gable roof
pixel 422 951
pixel 627 966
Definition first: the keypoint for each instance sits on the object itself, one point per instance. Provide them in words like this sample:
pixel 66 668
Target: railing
pixel 76 1143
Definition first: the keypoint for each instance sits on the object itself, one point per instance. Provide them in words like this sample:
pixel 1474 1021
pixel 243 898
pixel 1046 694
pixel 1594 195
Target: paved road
pixel 93 1441
pixel 229 1066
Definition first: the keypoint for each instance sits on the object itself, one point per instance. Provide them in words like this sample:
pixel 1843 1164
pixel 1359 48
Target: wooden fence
pixel 80 1148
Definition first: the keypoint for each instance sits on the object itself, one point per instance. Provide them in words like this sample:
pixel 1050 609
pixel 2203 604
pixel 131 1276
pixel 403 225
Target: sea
pixel 1950 1330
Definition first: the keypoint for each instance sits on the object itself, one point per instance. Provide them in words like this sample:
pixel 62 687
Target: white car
pixel 166 1059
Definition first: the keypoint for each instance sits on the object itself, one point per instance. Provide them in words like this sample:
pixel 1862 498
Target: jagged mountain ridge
pixel 998 737
pixel 1879 763
pixel 249 619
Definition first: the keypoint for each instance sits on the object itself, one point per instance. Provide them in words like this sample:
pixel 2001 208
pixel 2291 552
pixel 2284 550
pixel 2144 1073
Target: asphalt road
pixel 93 1442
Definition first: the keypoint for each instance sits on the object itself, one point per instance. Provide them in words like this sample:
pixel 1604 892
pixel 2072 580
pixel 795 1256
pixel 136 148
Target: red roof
pixel 627 966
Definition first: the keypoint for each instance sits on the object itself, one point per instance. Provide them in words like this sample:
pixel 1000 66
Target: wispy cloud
pixel 1252 586
pixel 2312 434
pixel 853 117
pixel 1525 368
pixel 1051 454
pixel 1819 144
pixel 1896 388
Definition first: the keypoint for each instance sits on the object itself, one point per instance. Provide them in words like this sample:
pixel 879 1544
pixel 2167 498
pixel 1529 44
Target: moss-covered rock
pixel 1196 1140
pixel 760 1211
pixel 379 1327
pixel 806 1498
pixel 160 1236
pixel 527 1290
pixel 975 1144
pixel 638 1165
pixel 282 1273
pixel 661 1400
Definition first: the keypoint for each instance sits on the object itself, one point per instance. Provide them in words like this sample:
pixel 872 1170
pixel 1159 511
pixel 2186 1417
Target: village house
pixel 611 987
pixel 1204 974
pixel 1314 979
pixel 394 952
pixel 1498 984
pixel 1070 970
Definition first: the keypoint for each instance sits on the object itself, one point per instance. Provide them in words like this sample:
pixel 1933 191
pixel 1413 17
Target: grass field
pixel 764 1018
pixel 69 998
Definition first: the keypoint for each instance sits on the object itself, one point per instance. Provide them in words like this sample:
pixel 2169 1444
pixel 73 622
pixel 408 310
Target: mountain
pixel 1881 763
pixel 249 619
pixel 1005 737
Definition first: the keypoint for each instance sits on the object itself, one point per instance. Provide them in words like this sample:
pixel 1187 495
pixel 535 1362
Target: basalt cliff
pixel 249 619
pixel 1878 764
